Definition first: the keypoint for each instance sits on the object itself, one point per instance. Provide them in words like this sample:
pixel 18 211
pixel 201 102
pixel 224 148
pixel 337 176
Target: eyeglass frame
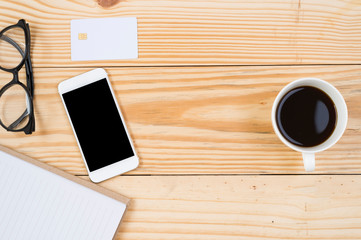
pixel 29 89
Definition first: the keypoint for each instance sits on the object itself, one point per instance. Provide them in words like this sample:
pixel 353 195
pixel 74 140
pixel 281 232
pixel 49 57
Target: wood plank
pixel 240 207
pixel 203 32
pixel 195 120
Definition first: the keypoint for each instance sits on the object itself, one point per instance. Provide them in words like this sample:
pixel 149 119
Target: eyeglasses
pixel 16 98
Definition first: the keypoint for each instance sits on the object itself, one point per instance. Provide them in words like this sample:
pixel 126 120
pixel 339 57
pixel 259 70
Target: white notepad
pixel 38 201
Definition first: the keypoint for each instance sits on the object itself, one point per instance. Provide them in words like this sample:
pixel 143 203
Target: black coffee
pixel 306 116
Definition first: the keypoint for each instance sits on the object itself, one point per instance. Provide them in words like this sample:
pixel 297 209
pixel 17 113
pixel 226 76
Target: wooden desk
pixel 197 103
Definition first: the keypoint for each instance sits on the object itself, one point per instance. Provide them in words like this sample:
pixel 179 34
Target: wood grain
pixel 191 111
pixel 240 207
pixel 195 120
pixel 203 32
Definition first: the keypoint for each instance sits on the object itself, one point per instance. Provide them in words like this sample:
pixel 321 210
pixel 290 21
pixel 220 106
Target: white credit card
pixel 104 39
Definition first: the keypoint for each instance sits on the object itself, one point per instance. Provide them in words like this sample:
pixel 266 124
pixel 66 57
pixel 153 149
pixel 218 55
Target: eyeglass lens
pixel 14 107
pixel 12 47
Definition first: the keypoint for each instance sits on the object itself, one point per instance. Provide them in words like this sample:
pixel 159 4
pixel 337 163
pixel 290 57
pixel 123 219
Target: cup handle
pixel 309 161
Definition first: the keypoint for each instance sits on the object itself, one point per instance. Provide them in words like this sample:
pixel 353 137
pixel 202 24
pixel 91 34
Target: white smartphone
pixel 98 125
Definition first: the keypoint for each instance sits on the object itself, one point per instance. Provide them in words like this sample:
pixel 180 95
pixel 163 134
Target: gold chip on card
pixel 82 36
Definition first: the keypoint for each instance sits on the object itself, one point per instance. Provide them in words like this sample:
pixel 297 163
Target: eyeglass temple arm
pixel 12 42
pixel 19 120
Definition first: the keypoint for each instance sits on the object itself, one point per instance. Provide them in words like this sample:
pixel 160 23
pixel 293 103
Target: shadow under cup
pixel 333 126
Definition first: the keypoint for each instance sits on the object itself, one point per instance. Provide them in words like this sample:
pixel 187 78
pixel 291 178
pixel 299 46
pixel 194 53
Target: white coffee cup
pixel 308 153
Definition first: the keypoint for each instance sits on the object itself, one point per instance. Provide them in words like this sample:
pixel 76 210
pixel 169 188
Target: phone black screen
pixel 98 125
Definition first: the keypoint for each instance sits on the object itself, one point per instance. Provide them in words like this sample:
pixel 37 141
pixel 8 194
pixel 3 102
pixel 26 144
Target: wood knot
pixel 107 3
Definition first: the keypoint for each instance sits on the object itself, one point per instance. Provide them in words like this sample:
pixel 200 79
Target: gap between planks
pixel 239 175
pixel 188 66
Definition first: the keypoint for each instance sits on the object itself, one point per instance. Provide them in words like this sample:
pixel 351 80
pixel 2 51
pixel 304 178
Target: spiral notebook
pixel 38 201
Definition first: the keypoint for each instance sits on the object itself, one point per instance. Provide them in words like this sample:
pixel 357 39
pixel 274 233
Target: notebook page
pixel 38 204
